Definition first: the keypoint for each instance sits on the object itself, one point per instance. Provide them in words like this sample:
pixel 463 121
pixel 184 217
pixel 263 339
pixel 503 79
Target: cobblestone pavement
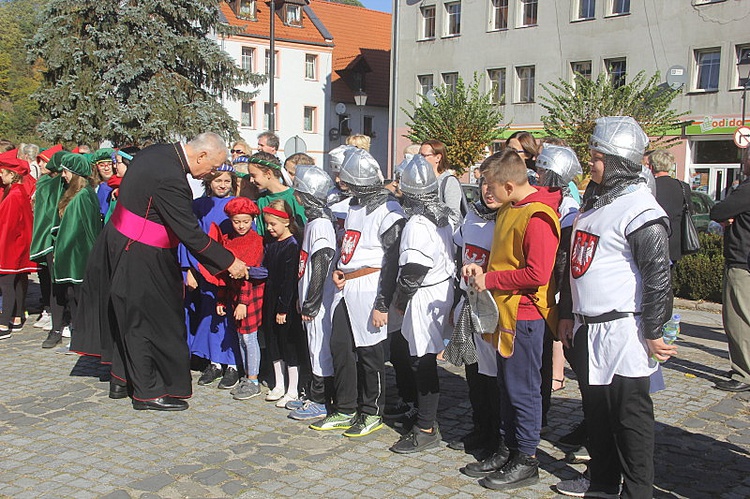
pixel 61 436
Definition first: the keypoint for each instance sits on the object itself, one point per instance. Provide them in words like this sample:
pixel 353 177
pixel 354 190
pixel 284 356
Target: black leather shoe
pixel 732 385
pixel 521 471
pixel 117 391
pixel 489 465
pixel 160 404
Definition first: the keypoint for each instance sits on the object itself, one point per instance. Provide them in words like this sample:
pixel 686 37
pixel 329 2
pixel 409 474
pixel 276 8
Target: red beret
pixel 46 155
pixel 9 161
pixel 241 206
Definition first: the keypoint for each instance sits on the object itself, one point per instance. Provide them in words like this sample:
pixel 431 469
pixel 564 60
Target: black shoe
pixel 489 465
pixel 17 327
pixel 521 471
pixel 732 385
pixel 210 374
pixel 160 404
pixel 4 333
pixel 53 338
pixel 574 439
pixel 230 380
pixel 117 391
pixel 469 442
pixel 396 410
pixel 417 440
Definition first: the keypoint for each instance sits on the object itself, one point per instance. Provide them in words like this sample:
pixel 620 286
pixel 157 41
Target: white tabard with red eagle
pixel 361 248
pixel 604 278
pixel 474 237
pixel 319 234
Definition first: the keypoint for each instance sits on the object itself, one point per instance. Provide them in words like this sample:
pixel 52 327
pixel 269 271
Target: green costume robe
pixel 80 226
pixel 48 192
pixel 288 196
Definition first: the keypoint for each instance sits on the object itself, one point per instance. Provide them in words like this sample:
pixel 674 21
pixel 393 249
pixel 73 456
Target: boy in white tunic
pixel 366 272
pixel 424 294
pixel 317 292
pixel 621 292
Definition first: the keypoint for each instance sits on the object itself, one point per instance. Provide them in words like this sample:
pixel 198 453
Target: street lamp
pixel 360 99
pixel 743 68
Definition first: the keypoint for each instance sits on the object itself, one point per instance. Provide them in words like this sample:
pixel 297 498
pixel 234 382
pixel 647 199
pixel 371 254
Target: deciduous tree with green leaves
pixel 464 119
pixel 573 108
pixel 135 71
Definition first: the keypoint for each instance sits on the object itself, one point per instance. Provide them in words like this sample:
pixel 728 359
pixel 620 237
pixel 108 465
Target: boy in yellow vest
pixel 519 274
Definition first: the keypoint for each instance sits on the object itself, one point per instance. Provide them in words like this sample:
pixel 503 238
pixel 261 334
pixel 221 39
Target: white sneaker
pixel 275 394
pixel 283 401
pixel 45 320
pixel 66 332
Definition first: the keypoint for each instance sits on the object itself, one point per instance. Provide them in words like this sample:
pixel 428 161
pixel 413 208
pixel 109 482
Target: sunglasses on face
pixel 237 151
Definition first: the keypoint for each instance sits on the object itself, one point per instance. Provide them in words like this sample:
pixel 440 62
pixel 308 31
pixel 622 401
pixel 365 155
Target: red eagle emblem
pixel 582 254
pixel 349 244
pixel 302 262
pixel 475 254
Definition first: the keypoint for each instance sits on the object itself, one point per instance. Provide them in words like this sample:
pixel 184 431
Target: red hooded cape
pixel 16 222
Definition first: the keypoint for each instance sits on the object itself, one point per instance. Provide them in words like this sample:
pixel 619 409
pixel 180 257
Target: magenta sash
pixel 142 230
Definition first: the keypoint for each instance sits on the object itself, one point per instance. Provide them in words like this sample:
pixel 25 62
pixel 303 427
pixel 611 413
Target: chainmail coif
pixel 621 176
pixel 429 206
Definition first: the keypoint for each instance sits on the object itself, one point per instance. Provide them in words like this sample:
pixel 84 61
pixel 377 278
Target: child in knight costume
pixel 316 289
pixel 619 242
pixel 366 273
pixel 424 294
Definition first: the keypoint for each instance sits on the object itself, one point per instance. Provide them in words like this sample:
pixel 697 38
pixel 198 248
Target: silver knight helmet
pixel 336 157
pixel 359 168
pixel 312 180
pixel 619 136
pixel 418 177
pixel 560 160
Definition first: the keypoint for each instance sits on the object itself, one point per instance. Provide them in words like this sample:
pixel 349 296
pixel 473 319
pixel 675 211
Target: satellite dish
pixel 430 96
pixel 340 108
pixel 677 77
pixel 412 2
pixel 294 145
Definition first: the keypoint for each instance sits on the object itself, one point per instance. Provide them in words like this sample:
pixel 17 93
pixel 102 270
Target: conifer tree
pixel 134 71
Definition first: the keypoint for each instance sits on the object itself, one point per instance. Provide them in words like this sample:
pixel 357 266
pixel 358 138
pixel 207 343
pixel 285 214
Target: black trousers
pixel 485 405
pixel 359 372
pixel 13 288
pixel 45 285
pixel 64 305
pixel 321 389
pixel 401 361
pixel 620 422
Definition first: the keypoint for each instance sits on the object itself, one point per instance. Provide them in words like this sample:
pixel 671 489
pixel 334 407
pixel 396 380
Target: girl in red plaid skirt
pixel 244 297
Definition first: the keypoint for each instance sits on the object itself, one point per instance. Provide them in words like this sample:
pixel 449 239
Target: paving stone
pixel 153 483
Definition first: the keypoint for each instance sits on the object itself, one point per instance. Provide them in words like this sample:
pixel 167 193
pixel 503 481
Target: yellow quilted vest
pixel 507 254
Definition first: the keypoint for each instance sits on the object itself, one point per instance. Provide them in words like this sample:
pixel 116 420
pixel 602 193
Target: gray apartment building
pixel 516 45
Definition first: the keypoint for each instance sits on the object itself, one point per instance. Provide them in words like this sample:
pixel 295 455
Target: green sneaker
pixel 364 424
pixel 335 421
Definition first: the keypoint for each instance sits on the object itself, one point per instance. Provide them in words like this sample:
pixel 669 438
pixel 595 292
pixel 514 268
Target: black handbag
pixel 690 242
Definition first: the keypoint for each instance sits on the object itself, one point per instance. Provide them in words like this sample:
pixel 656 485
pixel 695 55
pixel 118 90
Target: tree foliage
pixel 573 107
pixel 356 3
pixel 19 114
pixel 135 71
pixel 464 119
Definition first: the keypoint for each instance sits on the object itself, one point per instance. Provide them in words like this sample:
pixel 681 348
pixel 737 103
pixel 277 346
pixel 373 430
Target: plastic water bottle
pixel 670 331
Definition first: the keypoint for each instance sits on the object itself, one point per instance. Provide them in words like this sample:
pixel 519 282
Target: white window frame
pixel 267 61
pixel 522 6
pixel 427 22
pixel 313 119
pixel 573 71
pixel 697 69
pixel 248 59
pixel 452 25
pixel 739 49
pixel 249 112
pixel 266 107
pixel 498 91
pixel 612 60
pixel 522 86
pixel 497 6
pixel 611 6
pixel 578 15
pixel 252 12
pixel 293 14
pixel 311 67
pixel 421 85
pixel 448 79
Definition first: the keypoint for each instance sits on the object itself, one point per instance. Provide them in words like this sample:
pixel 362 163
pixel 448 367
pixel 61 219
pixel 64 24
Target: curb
pixel 703 306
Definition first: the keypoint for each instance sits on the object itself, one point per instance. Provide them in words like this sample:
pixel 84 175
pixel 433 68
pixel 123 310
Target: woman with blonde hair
pixel 359 141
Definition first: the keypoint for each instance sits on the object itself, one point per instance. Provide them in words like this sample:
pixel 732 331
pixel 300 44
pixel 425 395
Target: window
pixel 424 86
pixel 275 62
pixel 620 7
pixel 581 68
pixel 344 129
pixel 743 52
pixel 267 116
pixel 246 9
pixel 428 22
pixel 586 9
pixel 453 19
pixel 616 69
pixel 248 55
pixel 367 122
pixel 707 64
pixel 526 76
pixel 450 80
pixel 293 15
pixel 497 82
pixel 498 14
pixel 309 121
pixel 311 66
pixel 248 114
pixel 529 12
